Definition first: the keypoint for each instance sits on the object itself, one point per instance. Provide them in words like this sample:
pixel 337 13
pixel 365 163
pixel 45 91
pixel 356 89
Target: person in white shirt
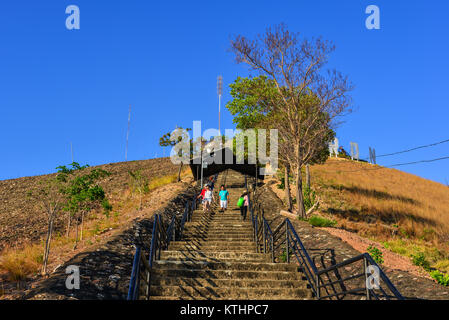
pixel 208 198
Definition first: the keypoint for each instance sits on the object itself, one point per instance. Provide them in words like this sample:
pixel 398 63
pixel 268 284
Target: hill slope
pixel 23 221
pixel 407 214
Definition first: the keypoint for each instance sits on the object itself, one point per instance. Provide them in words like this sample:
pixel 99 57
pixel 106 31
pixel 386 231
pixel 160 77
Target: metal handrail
pixel 294 246
pixel 171 234
pixel 160 240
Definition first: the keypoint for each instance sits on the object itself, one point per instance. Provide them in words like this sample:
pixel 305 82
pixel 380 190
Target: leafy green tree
pixel 252 107
pixel 82 193
pixel 308 100
pixel 166 141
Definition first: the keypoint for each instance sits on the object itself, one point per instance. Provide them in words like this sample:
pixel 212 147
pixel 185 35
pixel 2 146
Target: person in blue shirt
pixel 224 198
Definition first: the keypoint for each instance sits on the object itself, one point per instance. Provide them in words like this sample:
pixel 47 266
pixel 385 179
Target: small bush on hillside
pixel 317 221
pixel 282 184
pixel 420 260
pixel 376 254
pixel 283 256
pixel 441 278
pixel 309 198
pixel 21 263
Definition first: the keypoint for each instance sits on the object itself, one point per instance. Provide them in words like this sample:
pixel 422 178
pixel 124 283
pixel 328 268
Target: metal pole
pixel 219 92
pixel 264 238
pixel 127 134
pixel 365 267
pixel 202 173
pixel 287 244
pixel 201 165
pixel 219 107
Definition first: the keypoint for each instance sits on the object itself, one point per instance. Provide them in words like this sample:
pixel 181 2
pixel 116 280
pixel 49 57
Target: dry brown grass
pixel 20 263
pixel 22 220
pixel 387 198
pixel 25 260
pixel 407 213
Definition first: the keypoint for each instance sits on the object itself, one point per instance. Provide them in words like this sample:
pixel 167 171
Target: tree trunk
pixel 68 226
pixel 76 236
pixel 307 176
pixel 179 172
pixel 299 196
pixel 288 195
pixel 140 206
pixel 82 225
pixel 47 245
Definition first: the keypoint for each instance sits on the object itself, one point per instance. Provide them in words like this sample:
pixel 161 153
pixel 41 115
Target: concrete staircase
pixel 217 259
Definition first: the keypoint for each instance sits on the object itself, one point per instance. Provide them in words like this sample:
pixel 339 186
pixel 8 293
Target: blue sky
pixel 59 86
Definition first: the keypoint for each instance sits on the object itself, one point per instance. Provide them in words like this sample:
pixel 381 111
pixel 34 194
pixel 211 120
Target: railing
pixel 140 282
pixel 328 283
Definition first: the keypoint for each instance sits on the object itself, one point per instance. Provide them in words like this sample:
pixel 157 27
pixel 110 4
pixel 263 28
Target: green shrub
pixel 317 221
pixel 376 254
pixel 282 184
pixel 441 278
pixel 419 260
pixel 309 198
pixel 283 256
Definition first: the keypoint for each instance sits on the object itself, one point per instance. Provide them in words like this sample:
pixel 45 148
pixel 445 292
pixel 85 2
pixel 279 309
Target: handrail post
pixel 318 289
pixel 365 269
pixel 287 244
pixel 264 237
pixel 160 236
pixel 134 275
pixel 257 237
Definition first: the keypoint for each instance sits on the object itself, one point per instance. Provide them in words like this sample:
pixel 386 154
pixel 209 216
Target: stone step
pixel 230 231
pixel 215 238
pixel 226 274
pixel 186 292
pixel 171 298
pixel 218 225
pixel 218 236
pixel 205 247
pixel 241 266
pixel 219 220
pixel 207 259
pixel 238 242
pixel 218 214
pixel 229 283
pixel 245 256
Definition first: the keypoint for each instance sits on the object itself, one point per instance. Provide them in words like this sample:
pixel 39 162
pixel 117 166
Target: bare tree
pixel 309 99
pixel 51 199
pixel 288 196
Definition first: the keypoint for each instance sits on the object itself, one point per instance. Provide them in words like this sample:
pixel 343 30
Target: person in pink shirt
pixel 244 207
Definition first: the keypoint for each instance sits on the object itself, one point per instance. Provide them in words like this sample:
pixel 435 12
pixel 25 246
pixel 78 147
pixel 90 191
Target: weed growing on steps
pixel 420 260
pixel 376 254
pixel 320 222
pixel 309 198
pixel 283 256
pixel 440 277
